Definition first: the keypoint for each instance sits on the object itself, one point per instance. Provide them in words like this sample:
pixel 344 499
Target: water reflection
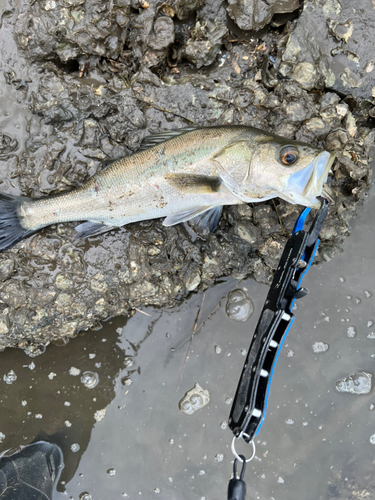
pixel 47 401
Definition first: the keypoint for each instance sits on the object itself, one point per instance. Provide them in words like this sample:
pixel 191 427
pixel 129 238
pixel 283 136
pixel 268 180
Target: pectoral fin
pixel 184 215
pixel 91 229
pixel 194 184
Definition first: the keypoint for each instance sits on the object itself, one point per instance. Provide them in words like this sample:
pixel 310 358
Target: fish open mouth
pixel 307 184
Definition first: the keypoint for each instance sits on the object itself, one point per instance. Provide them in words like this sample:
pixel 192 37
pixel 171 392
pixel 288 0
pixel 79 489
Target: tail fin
pixel 11 231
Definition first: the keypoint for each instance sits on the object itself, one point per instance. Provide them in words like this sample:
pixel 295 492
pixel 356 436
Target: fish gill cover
pixel 83 82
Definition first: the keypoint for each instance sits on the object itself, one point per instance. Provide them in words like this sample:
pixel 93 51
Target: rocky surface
pixel 84 82
pixel 337 53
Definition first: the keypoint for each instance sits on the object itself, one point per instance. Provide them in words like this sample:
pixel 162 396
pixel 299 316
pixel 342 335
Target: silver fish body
pixel 182 175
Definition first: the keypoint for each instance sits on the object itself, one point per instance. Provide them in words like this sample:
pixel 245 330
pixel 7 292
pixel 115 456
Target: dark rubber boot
pixel 31 473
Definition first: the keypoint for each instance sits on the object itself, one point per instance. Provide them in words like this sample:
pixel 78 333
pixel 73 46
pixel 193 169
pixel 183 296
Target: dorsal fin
pixel 159 137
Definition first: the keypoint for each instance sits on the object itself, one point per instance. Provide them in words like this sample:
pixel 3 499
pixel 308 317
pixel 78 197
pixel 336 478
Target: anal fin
pixel 91 229
pixel 203 217
pixel 207 222
pixel 184 215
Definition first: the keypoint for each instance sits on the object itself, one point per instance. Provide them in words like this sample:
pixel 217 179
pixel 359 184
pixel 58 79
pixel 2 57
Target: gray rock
pixel 205 43
pixel 255 14
pixel 329 47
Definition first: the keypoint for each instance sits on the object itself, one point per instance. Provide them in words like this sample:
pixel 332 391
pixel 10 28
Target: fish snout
pixel 306 185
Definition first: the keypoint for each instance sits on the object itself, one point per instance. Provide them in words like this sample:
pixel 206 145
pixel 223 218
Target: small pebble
pixel 74 371
pixel 319 347
pixel 194 400
pixel 10 377
pixel 351 332
pixel 99 415
pixel 357 383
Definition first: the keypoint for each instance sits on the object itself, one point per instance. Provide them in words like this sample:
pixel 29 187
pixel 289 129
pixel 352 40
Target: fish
pixel 178 175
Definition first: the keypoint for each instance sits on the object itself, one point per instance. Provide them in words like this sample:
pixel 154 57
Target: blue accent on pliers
pixel 300 222
pixel 250 403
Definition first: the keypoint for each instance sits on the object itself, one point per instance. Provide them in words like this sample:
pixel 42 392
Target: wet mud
pixel 82 83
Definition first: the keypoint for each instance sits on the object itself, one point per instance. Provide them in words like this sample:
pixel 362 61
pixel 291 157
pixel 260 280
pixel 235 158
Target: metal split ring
pixel 234 449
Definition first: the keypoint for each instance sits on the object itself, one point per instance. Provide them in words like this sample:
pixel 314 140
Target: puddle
pixel 110 398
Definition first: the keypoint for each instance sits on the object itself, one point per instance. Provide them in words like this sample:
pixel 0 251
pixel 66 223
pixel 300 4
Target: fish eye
pixel 289 155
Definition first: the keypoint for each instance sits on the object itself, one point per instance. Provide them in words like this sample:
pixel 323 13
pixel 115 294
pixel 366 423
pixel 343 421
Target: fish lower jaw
pixel 298 199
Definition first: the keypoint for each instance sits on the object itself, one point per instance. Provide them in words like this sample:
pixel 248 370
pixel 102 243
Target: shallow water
pixel 127 435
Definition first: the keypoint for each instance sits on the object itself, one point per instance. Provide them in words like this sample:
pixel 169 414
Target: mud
pixel 83 83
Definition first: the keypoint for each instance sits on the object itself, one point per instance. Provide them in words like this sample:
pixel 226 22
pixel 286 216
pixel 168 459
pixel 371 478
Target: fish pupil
pixel 288 155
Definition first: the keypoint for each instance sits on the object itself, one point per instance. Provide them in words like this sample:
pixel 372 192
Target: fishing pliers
pixel 250 403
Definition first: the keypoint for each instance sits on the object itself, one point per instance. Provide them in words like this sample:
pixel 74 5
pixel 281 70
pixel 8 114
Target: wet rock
pixel 163 34
pixel 255 14
pixel 6 269
pixel 194 400
pixel 239 307
pixel 357 383
pixel 90 80
pixel 186 7
pixel 305 75
pixel 193 281
pixel 336 55
pixel 205 43
pixel 72 31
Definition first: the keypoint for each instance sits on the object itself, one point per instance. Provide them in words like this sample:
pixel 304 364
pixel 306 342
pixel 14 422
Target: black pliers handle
pixel 250 402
